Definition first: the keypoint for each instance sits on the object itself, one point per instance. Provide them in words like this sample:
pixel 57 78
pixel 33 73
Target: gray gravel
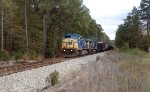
pixel 99 76
pixel 36 79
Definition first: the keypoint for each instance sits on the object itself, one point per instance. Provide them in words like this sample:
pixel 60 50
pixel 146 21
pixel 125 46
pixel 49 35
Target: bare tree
pixel 2 29
pixel 45 17
pixel 26 25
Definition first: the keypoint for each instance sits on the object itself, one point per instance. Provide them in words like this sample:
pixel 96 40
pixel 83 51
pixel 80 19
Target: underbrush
pixel 4 55
pixel 31 55
pixel 136 51
pixel 20 56
pixel 133 73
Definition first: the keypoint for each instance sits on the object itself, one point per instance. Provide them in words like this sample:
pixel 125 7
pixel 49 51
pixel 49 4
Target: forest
pixel 32 29
pixel 135 31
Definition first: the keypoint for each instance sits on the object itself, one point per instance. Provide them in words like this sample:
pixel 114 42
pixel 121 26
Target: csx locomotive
pixel 75 45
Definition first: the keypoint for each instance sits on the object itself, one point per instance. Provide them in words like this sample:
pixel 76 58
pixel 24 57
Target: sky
pixel 110 13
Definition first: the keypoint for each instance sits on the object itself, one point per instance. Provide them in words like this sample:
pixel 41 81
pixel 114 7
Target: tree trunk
pixel 148 22
pixel 44 32
pixel 2 29
pixel 11 23
pixel 148 26
pixel 26 26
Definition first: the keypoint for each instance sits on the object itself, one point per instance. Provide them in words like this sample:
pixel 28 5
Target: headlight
pixel 71 50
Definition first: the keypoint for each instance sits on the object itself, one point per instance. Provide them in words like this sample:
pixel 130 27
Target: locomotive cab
pixel 70 44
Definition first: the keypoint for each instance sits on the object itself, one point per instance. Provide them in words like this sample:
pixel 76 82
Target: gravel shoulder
pixel 113 72
pixel 98 76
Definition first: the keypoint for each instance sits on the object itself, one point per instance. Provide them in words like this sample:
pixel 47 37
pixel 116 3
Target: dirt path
pixel 99 76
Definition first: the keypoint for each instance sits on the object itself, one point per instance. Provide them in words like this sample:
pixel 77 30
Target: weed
pixel 54 77
pixel 97 58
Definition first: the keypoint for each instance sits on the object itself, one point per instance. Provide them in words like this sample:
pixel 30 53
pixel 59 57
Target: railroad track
pixel 7 70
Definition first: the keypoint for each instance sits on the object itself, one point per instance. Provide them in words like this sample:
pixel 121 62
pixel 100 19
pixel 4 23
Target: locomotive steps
pixel 36 79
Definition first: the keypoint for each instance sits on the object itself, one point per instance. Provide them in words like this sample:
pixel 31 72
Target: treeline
pixel 135 31
pixel 36 27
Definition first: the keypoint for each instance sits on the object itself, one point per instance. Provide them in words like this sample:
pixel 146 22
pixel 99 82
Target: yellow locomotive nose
pixel 69 43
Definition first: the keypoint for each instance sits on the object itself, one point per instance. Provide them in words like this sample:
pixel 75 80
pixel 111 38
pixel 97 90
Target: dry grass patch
pixel 133 71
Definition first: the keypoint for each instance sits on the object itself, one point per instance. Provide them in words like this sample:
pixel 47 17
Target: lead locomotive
pixel 75 45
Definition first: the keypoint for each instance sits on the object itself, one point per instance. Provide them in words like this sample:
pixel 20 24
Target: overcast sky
pixel 110 13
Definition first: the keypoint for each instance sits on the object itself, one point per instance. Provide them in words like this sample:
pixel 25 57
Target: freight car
pixel 110 47
pixel 74 45
pixel 100 46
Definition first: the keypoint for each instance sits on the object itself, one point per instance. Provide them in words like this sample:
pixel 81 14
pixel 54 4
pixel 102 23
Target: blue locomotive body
pixel 74 44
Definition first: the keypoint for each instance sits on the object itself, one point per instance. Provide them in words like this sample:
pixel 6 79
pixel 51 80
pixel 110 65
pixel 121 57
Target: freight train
pixel 75 45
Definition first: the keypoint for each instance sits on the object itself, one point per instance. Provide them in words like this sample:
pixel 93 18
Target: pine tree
pixel 145 13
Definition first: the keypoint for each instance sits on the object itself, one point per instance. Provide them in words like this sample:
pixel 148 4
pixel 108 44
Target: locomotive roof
pixel 100 42
pixel 72 35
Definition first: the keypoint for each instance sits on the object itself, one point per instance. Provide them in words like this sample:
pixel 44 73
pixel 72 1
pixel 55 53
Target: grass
pixel 133 73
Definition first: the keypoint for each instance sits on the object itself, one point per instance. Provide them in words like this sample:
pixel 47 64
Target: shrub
pixel 4 55
pixel 39 57
pixel 25 57
pixel 17 55
pixel 137 51
pixel 49 54
pixel 125 46
pixel 145 43
pixel 54 77
pixel 30 55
